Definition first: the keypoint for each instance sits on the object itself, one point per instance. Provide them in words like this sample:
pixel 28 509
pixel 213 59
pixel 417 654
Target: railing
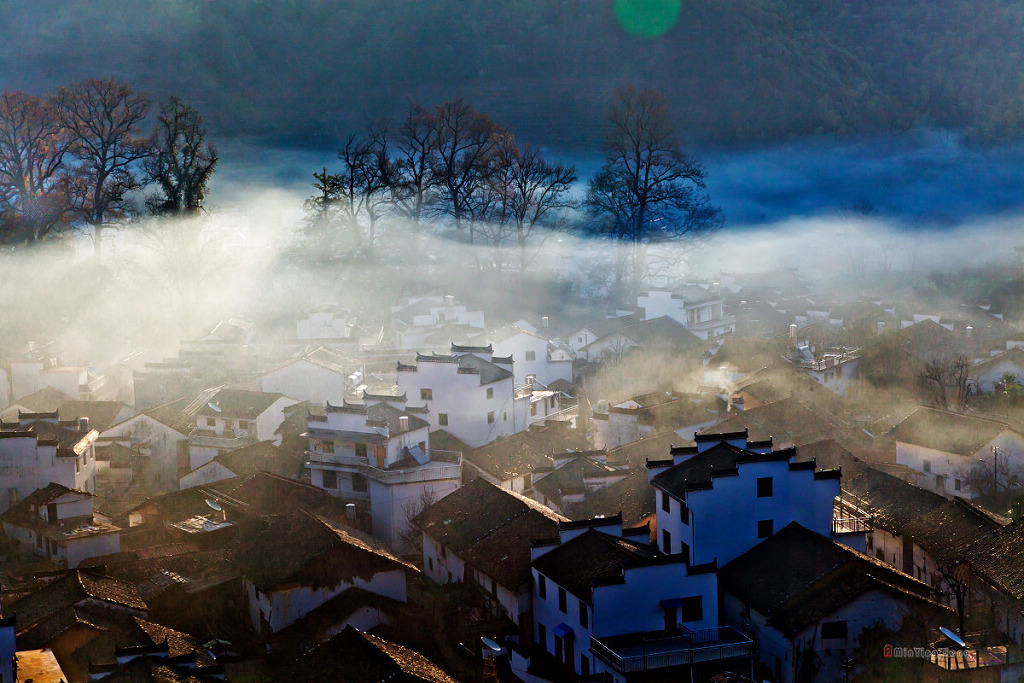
pixel 687 648
pixel 226 439
pixel 442 465
pixel 849 518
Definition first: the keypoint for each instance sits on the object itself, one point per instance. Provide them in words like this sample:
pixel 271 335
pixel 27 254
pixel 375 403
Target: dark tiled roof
pixel 309 550
pixel 512 456
pixel 65 592
pixel 317 626
pixel 997 558
pixel 569 478
pixel 261 456
pixel 945 431
pixel 238 403
pixel 633 496
pixel 748 355
pixel 356 657
pixel 663 332
pixel 789 421
pixel 797 577
pixel 892 502
pixel 270 494
pixel 473 512
pixel 592 556
pixel 504 554
pixel 102 414
pixel 945 531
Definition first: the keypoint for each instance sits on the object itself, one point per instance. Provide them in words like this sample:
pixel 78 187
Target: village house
pixel 536 356
pixel 233 418
pixel 300 562
pixel 470 393
pixel 156 443
pixel 510 462
pixel 943 447
pixel 160 381
pixel 415 319
pixel 378 456
pixel 324 323
pixel 39 449
pixel 319 376
pixel 480 534
pixel 241 462
pixel 834 368
pixel 657 334
pixel 574 476
pixel 698 309
pixel 989 375
pixel 606 601
pixel 641 416
pixel 598 329
pixel 59 524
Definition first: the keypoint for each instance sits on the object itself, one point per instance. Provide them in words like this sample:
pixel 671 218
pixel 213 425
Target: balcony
pixel 849 518
pixel 441 465
pixel 660 649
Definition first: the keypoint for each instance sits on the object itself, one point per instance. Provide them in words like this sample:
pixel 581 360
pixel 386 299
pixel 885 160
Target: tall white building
pixel 699 310
pixel 377 454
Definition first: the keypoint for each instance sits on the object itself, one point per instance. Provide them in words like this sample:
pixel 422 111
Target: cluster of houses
pixel 390 500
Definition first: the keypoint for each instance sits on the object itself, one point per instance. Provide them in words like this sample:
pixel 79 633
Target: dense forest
pixel 734 71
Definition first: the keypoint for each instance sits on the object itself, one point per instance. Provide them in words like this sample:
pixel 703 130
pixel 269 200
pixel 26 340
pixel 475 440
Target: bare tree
pixel 995 481
pixel 103 118
pixel 33 185
pixel 954 580
pixel 947 382
pixel 182 161
pixel 413 180
pixel 411 537
pixel 649 189
pixel 462 162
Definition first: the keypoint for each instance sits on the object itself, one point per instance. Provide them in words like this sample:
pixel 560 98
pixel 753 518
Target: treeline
pixel 734 71
pixel 81 155
pixel 453 169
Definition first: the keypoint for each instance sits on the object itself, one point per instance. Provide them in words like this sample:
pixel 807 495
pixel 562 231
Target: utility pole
pixel 995 473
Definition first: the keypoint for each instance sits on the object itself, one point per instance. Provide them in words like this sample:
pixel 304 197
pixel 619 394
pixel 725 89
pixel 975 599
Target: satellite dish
pixel 215 505
pixel 214 407
pixel 953 636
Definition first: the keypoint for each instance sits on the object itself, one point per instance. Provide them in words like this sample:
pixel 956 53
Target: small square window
pixel 927 466
pixel 490 418
pixel 358 483
pixel 542 587
pixel 692 609
pixel 666 503
pixel 330 479
pixel 531 355
pixel 442 419
pixel 666 541
pixel 764 528
pixel 426 394
pixel 764 487
pixel 956 484
pixel 584 621
pixel 833 629
pixel 490 392
pixel 563 603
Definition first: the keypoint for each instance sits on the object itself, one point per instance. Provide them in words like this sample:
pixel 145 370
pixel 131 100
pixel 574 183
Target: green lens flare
pixel 647 18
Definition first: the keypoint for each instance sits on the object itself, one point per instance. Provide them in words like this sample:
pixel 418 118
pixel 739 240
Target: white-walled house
pixel 481 534
pixel 233 418
pixel 547 360
pixel 942 446
pixel 40 450
pixel 721 497
pixel 378 455
pixel 602 594
pixel 58 523
pixel 470 393
pixel 151 437
pixel 300 562
pixel 319 376
pixel 417 318
pixel 77 381
pixel 696 308
pixel 989 373
pixel 324 324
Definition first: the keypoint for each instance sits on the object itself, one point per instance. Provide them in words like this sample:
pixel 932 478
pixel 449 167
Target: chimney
pixel 530 379
pixel 350 513
pixel 449 300
pixel 881 328
pixel 403 423
pixel 83 425
pixel 970 331
pixel 544 321
pixel 792 331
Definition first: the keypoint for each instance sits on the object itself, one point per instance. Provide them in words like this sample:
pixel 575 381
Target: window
pixel 764 487
pixel 442 419
pixel 542 636
pixel 542 587
pixel 584 665
pixel 764 528
pixel 358 483
pixel 583 614
pixel 684 550
pixel 490 418
pixel 360 450
pixel 504 416
pixel 833 629
pixel 666 541
pixel 927 466
pixel 666 504
pixel 330 479
pixel 427 394
pixel 551 401
pixel 430 563
pixel 531 355
pixel 490 392
pixel 533 409
pixel 956 484
pixel 692 609
pixel 684 513
pixel 562 601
